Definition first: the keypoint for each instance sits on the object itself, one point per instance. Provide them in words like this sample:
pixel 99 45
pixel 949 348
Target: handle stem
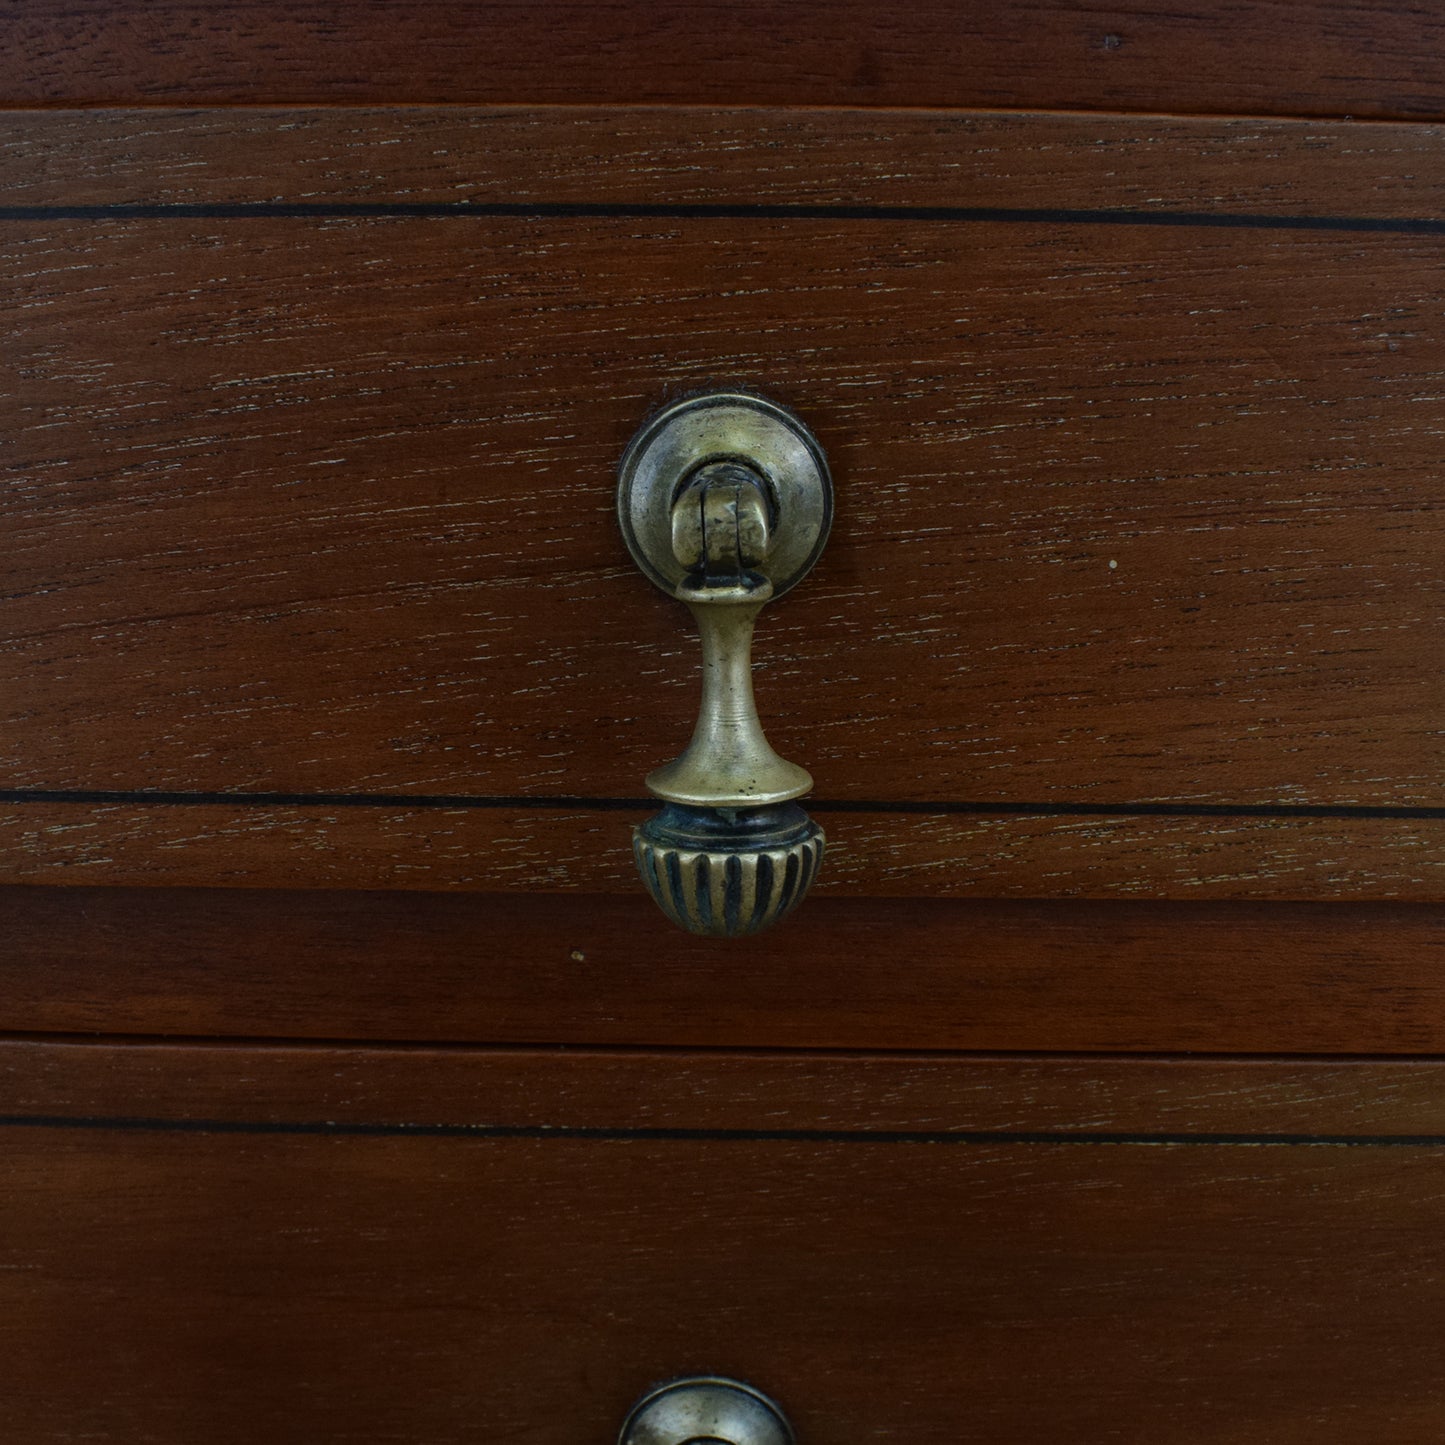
pixel 729 763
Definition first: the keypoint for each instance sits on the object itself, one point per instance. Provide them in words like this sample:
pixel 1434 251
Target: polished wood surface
pixel 844 973
pixel 1351 57
pixel 338 1281
pixel 320 504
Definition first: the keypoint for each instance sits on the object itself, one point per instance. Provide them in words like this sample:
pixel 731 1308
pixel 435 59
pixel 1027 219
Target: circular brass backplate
pixel 725 426
pixel 706 1408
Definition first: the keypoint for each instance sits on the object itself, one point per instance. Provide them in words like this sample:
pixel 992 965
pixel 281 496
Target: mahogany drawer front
pixel 333 1246
pixel 312 578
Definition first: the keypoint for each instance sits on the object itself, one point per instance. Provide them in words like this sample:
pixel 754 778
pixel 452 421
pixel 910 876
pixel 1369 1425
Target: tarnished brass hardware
pixel 727 872
pixel 705 1409
pixel 725 502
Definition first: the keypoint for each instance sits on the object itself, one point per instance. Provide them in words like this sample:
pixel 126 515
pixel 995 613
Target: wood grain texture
pixel 342 1287
pixel 323 504
pixel 869 974
pixel 675 1092
pixel 1352 57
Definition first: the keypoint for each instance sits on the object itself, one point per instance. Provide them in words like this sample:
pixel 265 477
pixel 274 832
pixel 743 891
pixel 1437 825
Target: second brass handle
pixel 705 1408
pixel 725 502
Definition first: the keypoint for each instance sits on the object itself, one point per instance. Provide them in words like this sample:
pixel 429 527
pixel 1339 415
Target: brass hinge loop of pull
pixel 725 502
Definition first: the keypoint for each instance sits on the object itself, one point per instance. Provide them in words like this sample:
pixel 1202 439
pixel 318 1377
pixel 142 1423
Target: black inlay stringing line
pixel 155 798
pixel 758 1136
pixel 414 210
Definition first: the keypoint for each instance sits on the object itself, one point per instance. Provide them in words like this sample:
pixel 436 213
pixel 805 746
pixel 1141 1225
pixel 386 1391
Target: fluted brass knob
pixel 725 502
pixel 728 872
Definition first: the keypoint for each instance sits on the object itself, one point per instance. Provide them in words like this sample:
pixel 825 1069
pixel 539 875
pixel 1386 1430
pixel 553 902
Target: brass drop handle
pixel 725 503
pixel 705 1409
